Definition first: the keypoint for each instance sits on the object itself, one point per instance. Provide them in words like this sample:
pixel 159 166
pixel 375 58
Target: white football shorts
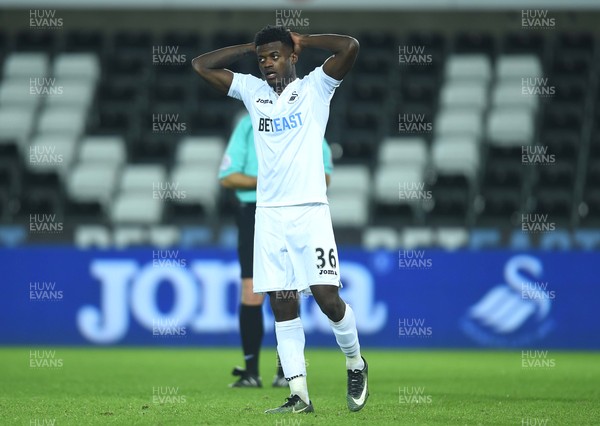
pixel 294 248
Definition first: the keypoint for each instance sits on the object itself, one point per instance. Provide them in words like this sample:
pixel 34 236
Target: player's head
pixel 275 54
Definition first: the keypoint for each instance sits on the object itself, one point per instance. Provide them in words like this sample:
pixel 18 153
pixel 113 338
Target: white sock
pixel 299 387
pixel 290 346
pixel 346 337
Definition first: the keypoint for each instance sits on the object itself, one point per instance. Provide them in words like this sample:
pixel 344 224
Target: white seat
pixel 509 94
pixel 93 182
pixel 390 180
pixel 136 208
pixel 349 209
pixel 200 150
pixel 84 66
pixel 380 238
pixel 52 153
pixel 17 92
pixel 347 178
pixel 200 185
pixel 109 149
pixel 510 127
pixel 459 122
pixel 142 177
pixel 16 123
pixel 88 236
pixel 22 65
pixel 468 67
pixel 518 67
pixel 74 93
pixel 63 120
pixel 417 237
pixel 452 238
pixel 403 150
pixel 456 155
pixel 470 94
pixel 127 236
pixel 164 236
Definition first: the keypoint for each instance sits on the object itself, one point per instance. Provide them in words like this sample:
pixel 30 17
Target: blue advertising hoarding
pixel 411 298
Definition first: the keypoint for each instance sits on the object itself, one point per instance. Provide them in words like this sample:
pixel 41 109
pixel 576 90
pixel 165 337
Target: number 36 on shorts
pixel 323 259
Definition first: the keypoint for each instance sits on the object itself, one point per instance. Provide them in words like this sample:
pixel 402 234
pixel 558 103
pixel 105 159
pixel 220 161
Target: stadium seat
pixel 456 155
pixel 109 149
pixel 509 94
pixel 16 124
pixel 518 67
pixel 16 93
pixel 51 152
pixel 200 150
pixel 475 67
pixel 142 177
pixel 459 122
pixel 200 185
pixel 510 127
pixel 355 179
pixel 135 208
pixel 129 235
pixel 164 236
pixel 464 94
pixel 67 121
pixel 24 66
pixel 348 209
pixel 75 93
pixel 394 150
pixel 390 179
pixel 94 182
pixel 380 238
pixel 76 66
pixel 92 236
pixel 452 238
pixel 413 238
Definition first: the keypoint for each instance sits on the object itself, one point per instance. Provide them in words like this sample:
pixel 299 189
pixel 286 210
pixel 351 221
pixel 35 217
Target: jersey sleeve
pixel 327 161
pixel 243 86
pixel 323 84
pixel 234 158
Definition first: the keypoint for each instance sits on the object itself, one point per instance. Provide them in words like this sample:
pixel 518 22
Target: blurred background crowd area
pixel 454 129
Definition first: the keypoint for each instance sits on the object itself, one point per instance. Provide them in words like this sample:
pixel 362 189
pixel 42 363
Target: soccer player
pixel 294 245
pixel 238 171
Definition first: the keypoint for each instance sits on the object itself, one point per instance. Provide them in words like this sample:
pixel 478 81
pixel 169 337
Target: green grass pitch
pixel 155 386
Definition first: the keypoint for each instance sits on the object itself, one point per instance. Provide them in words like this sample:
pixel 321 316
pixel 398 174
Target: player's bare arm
pixel 212 65
pixel 344 49
pixel 239 181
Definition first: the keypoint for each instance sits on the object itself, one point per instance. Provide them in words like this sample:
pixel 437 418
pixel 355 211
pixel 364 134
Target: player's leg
pixel 290 346
pixel 250 309
pixel 324 276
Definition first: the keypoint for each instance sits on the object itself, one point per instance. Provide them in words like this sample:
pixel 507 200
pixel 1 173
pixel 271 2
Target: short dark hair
pixel 272 33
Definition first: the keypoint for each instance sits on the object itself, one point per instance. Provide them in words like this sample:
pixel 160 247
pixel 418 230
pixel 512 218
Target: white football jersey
pixel 288 136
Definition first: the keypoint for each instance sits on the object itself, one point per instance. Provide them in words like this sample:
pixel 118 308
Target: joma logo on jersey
pixel 280 124
pixel 264 101
pixel 327 272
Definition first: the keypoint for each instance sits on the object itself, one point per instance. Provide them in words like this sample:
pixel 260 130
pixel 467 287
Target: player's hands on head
pixel 296 38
